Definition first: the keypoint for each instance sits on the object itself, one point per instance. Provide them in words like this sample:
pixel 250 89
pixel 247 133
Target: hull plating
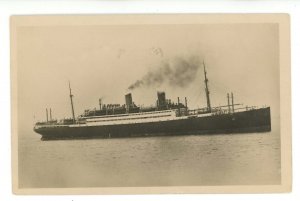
pixel 240 122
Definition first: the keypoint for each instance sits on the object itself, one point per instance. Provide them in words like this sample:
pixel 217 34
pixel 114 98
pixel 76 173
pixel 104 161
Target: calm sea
pixel 235 159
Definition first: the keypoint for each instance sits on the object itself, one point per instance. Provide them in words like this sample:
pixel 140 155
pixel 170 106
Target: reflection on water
pixel 154 161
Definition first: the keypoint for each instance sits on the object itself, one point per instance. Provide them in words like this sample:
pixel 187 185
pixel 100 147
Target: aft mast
pixel 71 98
pixel 206 89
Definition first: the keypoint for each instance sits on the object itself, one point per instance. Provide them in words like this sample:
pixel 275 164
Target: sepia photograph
pixel 103 104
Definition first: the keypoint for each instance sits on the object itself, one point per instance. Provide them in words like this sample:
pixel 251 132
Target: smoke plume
pixel 179 72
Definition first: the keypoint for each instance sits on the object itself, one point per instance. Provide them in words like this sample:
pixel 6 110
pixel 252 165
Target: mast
pixel 232 103
pixel 228 102
pixel 186 107
pixel 178 106
pixel 206 89
pixel 71 98
pixel 47 114
pixel 50 115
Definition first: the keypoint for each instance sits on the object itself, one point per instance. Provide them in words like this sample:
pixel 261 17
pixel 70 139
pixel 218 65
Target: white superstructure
pixel 131 118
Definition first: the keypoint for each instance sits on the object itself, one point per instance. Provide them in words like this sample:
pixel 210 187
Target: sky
pixel 103 61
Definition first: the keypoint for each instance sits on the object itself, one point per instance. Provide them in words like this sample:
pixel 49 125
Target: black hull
pixel 251 121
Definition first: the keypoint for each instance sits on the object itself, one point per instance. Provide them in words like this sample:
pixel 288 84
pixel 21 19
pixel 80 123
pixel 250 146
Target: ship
pixel 166 118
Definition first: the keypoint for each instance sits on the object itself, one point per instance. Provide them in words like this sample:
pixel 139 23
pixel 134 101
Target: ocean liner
pixel 165 119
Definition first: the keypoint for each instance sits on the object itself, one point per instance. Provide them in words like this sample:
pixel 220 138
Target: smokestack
pixel 47 114
pixel 100 103
pixel 228 102
pixel 128 99
pixel 50 115
pixel 232 102
pixel 185 102
pixel 161 98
